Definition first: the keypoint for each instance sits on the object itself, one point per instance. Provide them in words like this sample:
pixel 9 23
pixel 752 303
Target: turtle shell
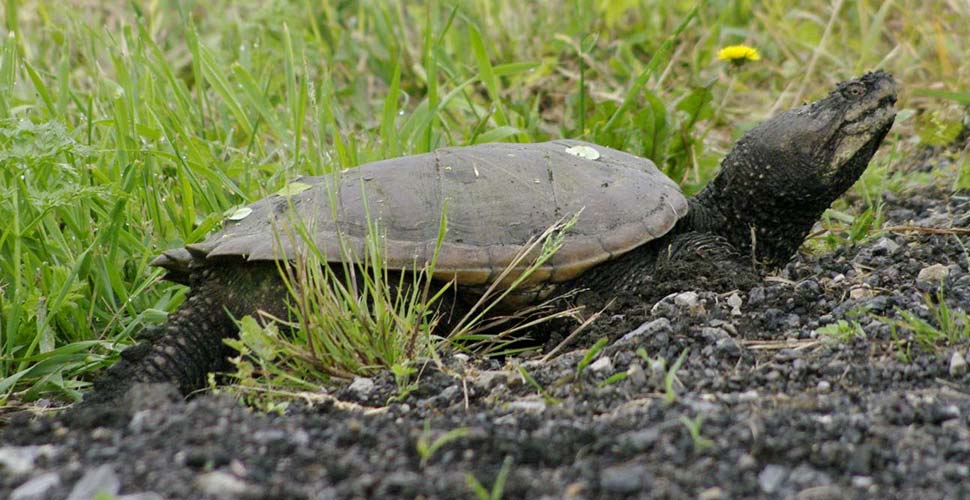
pixel 497 197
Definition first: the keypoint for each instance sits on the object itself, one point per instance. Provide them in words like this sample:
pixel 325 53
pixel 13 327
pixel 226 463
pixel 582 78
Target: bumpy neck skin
pixel 754 216
pixel 780 176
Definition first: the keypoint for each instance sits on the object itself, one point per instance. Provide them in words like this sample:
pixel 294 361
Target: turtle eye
pixel 854 91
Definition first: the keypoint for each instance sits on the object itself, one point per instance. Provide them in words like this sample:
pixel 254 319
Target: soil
pixel 763 405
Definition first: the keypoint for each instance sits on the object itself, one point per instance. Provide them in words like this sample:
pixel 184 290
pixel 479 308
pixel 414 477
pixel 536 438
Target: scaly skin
pixel 773 186
pixel 189 345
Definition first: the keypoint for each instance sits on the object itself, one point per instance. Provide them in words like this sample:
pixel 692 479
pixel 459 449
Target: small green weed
pixel 694 427
pixel 842 330
pixel 498 487
pixel 671 383
pixel 426 447
pixel 845 229
pixel 612 379
pixel 945 327
pixel 590 356
pixel 529 379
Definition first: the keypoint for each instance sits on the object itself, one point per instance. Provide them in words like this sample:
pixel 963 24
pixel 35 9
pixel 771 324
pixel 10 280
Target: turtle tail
pixel 182 351
pixel 185 349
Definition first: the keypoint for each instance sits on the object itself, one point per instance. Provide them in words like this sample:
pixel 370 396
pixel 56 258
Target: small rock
pixel 748 396
pixel 19 460
pixel 824 492
pixel 449 392
pixel 266 436
pixel 712 334
pixel 862 481
pixel 636 375
pixel 648 328
pixel 824 386
pixel 931 276
pixel 219 484
pixel 145 495
pixel 101 480
pixel 714 493
pixel 603 364
pixel 958 365
pixel 685 299
pixel 623 479
pixel 884 246
pixel 756 296
pixel 747 462
pixel 640 440
pixel 735 302
pixel 528 405
pixel 663 308
pixel 861 292
pixel 724 325
pixel 808 288
pixel 361 386
pixel 489 379
pixel 771 477
pixel 689 301
pixel 727 346
pixel 37 488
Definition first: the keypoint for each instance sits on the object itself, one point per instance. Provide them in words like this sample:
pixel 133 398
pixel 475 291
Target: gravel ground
pixel 763 406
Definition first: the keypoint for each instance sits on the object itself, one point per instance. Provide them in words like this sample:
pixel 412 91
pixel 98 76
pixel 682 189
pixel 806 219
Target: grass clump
pixel 350 318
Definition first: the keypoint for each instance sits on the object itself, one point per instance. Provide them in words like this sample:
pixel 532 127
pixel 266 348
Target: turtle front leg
pixel 702 259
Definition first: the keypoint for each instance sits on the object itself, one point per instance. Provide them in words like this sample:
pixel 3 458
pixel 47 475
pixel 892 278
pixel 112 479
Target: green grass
pixel 940 326
pixel 127 128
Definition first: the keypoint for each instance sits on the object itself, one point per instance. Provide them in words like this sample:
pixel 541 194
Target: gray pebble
pixel 601 365
pixel 756 296
pixel 624 478
pixel 884 246
pixel 19 460
pixel 218 484
pixel 37 488
pixel 528 405
pixel 932 276
pixel 101 480
pixel 649 328
pixel 771 477
pixel 361 386
pixel 728 347
pixel 958 364
pixel 636 375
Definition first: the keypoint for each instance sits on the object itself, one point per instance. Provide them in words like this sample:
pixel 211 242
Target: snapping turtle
pixel 772 187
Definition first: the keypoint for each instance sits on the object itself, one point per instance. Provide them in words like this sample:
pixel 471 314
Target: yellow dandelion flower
pixel 738 54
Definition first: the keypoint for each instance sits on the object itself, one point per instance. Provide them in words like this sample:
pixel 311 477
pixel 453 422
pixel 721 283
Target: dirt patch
pixel 762 406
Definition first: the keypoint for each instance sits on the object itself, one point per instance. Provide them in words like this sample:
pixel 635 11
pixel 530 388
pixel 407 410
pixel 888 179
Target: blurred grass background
pixel 131 127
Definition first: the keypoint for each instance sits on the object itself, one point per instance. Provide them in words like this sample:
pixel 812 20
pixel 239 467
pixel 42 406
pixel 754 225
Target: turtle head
pixel 817 151
pixel 783 173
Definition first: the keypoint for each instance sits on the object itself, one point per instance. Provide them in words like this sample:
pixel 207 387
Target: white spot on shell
pixel 584 151
pixel 240 214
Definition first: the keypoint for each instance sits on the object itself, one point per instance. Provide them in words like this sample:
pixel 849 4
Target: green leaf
pixel 293 188
pixel 240 213
pixel 497 134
